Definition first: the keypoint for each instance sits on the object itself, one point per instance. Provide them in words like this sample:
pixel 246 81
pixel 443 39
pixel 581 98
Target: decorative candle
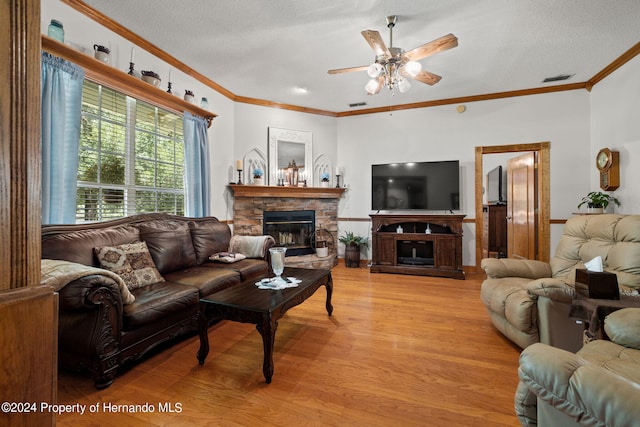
pixel 132 48
pixel 338 170
pixel 239 165
pixel 169 74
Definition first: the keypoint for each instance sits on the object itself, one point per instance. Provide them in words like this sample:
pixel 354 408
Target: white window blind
pixel 131 157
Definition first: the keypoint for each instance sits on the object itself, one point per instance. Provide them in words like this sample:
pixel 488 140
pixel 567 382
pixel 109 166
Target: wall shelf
pixel 114 78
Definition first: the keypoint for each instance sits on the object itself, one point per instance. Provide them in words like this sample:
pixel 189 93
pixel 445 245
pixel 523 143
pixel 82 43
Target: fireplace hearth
pixel 291 229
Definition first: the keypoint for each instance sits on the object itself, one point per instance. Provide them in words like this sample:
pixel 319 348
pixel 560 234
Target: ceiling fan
pixel 393 65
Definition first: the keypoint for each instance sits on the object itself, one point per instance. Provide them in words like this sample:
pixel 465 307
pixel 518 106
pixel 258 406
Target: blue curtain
pixel 196 159
pixel 61 114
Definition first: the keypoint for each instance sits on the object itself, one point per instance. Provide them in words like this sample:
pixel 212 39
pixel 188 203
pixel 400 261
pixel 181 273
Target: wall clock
pixel 608 163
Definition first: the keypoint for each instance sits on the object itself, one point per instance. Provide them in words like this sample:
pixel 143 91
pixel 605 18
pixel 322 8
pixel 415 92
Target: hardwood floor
pixel 398 351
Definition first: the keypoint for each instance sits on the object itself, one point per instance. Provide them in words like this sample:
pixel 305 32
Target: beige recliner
pixel 597 386
pixel 529 301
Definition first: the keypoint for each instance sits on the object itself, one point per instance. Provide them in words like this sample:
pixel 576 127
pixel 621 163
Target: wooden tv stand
pixel 414 251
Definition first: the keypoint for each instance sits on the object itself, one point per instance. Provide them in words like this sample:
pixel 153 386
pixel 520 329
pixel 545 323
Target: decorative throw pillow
pixel 227 257
pixel 132 262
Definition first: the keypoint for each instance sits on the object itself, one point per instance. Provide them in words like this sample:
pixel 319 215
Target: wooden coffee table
pixel 263 307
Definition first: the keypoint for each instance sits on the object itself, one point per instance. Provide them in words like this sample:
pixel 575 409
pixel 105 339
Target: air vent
pixel 357 104
pixel 558 78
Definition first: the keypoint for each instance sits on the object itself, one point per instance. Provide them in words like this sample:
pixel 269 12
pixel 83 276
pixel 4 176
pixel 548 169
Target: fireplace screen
pixel 291 229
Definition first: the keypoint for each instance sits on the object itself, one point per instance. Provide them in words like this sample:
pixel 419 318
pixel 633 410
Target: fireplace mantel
pixel 277 191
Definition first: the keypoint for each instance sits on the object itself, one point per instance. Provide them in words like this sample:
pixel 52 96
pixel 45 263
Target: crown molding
pixel 114 26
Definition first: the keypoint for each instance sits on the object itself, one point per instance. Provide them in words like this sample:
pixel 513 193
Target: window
pixel 131 157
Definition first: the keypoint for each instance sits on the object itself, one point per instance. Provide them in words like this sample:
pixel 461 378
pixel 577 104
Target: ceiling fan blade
pixel 438 45
pixel 423 76
pixel 348 70
pixel 377 44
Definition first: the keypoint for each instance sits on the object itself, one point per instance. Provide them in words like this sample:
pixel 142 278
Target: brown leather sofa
pixel 98 332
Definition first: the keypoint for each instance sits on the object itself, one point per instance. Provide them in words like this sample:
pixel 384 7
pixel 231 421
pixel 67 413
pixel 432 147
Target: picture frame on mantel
pixel 287 145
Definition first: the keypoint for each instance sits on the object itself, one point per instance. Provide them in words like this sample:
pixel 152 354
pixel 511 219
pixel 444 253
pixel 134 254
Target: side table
pixel 592 312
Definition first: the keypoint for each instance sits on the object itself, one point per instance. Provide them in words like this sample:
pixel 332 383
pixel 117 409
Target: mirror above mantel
pixel 285 147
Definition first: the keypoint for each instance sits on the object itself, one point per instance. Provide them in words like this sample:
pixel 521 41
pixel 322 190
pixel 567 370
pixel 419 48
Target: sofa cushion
pixel 205 280
pixel 623 327
pixel 249 269
pixel 132 262
pixel 77 246
pixel 614 237
pixel 157 301
pixel 209 237
pixel 169 243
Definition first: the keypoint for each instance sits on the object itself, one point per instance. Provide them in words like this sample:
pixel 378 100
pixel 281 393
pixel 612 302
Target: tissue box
pixel 601 285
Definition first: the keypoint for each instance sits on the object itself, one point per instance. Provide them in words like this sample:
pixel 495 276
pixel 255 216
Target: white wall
pixel 251 131
pixel 615 123
pixel 441 133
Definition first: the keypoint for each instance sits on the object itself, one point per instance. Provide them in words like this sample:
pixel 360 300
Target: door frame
pixel 543 177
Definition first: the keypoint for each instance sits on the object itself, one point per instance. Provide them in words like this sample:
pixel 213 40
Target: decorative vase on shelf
pixel 101 53
pixel 324 180
pixel 258 180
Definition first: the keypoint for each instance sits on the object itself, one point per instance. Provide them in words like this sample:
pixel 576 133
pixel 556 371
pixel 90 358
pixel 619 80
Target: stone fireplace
pixel 250 203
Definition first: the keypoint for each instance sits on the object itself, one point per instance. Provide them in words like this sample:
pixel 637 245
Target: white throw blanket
pixel 250 246
pixel 58 274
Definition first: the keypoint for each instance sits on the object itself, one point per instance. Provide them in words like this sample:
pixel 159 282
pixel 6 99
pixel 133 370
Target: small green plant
pixel 349 238
pixel 597 199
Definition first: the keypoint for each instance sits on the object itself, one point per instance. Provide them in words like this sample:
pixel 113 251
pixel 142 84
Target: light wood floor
pixel 398 351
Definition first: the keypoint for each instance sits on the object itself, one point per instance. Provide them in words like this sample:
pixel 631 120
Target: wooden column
pixel 28 312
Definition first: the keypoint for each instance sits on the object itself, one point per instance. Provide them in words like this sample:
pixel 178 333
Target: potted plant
pixel 324 179
pixel 597 201
pixel 352 244
pixel 257 177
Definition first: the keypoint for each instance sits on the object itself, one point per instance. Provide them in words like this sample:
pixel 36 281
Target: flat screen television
pixel 416 185
pixel 496 186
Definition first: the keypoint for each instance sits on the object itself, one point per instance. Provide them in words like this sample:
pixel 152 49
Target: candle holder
pixel 337 181
pixel 169 88
pixel 239 176
pixel 131 68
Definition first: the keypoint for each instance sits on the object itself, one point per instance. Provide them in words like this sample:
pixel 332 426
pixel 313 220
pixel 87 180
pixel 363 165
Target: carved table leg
pixel 267 329
pixel 203 331
pixel 329 286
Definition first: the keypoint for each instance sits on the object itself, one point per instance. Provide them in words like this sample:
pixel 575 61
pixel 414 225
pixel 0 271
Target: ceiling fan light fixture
pixel 374 70
pixel 413 68
pixel 393 66
pixel 403 84
pixel 372 86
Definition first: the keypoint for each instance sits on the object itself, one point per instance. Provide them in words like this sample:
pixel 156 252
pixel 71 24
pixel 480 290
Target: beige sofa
pixel 598 386
pixel 529 301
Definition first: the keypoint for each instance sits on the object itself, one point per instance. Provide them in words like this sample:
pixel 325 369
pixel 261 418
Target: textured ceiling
pixel 265 49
